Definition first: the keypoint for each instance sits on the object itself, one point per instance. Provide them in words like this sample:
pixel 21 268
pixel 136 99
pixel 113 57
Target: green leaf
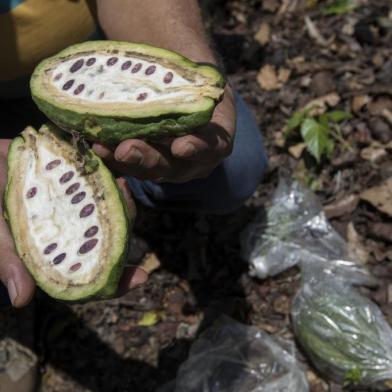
pixel 295 121
pixel 316 138
pixel 151 318
pixel 339 7
pixel 338 116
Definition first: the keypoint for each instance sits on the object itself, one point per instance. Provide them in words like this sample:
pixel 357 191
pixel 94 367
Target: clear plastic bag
pixel 344 334
pixel 232 357
pixel 293 229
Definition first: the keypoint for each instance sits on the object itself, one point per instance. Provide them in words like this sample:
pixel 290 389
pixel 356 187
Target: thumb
pixel 19 283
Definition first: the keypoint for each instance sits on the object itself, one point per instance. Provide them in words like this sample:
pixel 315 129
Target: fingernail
pixel 133 155
pixel 12 292
pixel 189 151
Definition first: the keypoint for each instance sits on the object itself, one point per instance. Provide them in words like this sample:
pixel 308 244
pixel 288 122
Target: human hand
pixel 13 273
pixel 178 159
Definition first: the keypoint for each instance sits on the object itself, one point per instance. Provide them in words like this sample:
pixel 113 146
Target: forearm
pixel 172 24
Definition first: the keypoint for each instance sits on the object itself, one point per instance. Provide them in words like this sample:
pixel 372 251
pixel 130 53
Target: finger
pixel 211 144
pixel 16 278
pixel 103 152
pixel 132 277
pixel 215 140
pixel 141 160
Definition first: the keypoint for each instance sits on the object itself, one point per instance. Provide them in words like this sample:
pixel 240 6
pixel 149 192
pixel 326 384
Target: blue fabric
pixel 228 186
pixel 8 5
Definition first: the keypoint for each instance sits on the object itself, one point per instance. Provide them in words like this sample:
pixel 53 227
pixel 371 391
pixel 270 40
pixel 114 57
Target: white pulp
pixel 104 83
pixel 52 218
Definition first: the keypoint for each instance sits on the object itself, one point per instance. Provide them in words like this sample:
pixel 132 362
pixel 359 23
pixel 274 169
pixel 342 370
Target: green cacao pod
pixel 344 334
pixel 111 91
pixel 70 224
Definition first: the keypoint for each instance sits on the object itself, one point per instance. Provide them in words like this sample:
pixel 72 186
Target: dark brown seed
pixel 79 89
pixel 126 65
pixel 87 246
pixel 73 188
pixel 78 197
pixel 50 248
pixel 136 68
pixel 112 61
pixel 168 77
pixel 91 231
pixel 87 210
pixel 142 97
pixel 31 192
pixel 91 61
pixel 58 259
pixel 151 69
pixel 66 177
pixel 58 76
pixel 77 65
pixel 68 84
pixel 75 267
pixel 53 164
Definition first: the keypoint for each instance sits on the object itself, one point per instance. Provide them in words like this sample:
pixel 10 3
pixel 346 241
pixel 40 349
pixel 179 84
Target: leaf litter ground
pixel 280 55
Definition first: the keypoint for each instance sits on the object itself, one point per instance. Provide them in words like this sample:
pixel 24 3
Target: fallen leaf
pixel 284 75
pixel 270 5
pixel 268 79
pixel 358 102
pixel 297 150
pixel 150 319
pixel 341 207
pixel 348 27
pixel 380 197
pixel 263 34
pixel 355 245
pixel 315 34
pixel 387 114
pixel 320 105
pixel 378 105
pixel 150 262
pixel 279 139
pixel 374 153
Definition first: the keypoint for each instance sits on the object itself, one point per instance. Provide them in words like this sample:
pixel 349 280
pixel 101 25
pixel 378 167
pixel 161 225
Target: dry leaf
pixel 320 105
pixel 349 26
pixel 315 34
pixel 355 247
pixel 387 114
pixel 341 207
pixel 284 74
pixel 263 35
pixel 374 153
pixel 270 5
pixel 268 78
pixel 358 102
pixel 380 197
pixel 150 262
pixel 297 150
pixel 378 105
pixel 279 139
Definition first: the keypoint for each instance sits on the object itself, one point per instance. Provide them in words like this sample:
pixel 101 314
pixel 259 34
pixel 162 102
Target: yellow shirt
pixel 31 30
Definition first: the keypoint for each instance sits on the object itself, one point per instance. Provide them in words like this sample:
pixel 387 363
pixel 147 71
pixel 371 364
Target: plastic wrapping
pixel 344 334
pixel 295 230
pixel 232 357
pixel 292 228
